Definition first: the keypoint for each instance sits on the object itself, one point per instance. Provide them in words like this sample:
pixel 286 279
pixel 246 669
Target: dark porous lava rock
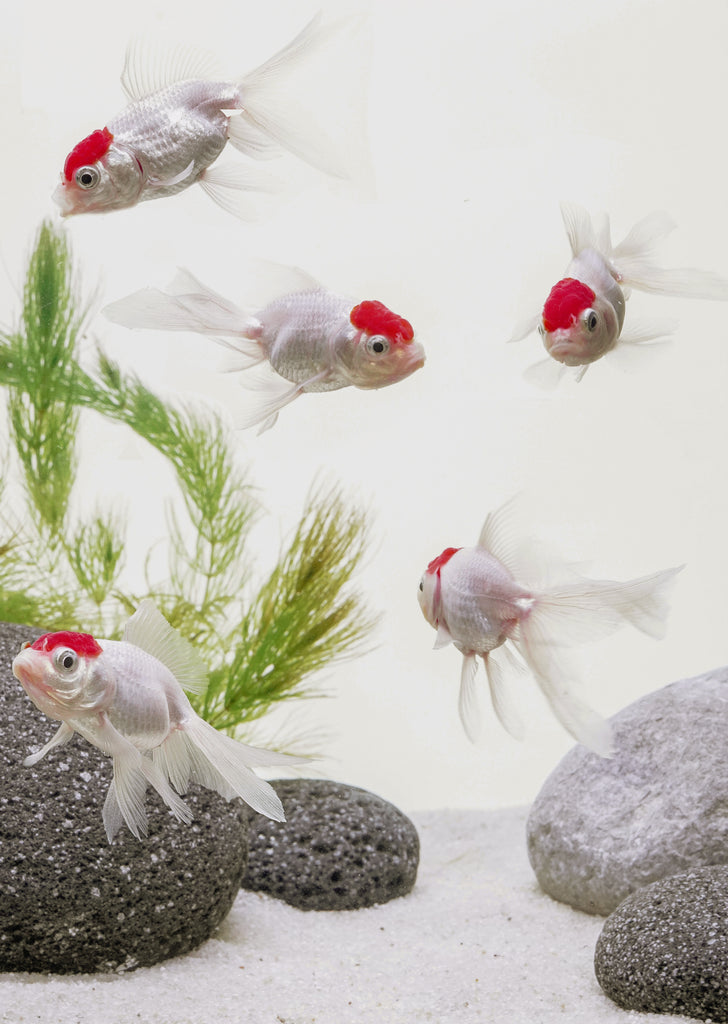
pixel 665 949
pixel 341 848
pixel 69 901
pixel 603 827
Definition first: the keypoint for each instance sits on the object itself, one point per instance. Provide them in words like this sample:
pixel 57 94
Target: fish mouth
pixel 562 348
pixel 63 200
pixel 25 670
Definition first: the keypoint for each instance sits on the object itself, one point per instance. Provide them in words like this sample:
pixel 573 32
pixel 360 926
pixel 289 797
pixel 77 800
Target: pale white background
pixel 482 117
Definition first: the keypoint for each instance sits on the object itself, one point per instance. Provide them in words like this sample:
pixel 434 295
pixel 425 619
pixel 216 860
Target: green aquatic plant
pixel 61 571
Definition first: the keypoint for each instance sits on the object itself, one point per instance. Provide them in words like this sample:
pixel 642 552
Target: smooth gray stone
pixel 665 949
pixel 69 901
pixel 601 828
pixel 341 848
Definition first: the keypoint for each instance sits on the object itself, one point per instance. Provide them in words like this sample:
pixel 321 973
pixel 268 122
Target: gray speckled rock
pixel 341 848
pixel 665 949
pixel 603 827
pixel 69 902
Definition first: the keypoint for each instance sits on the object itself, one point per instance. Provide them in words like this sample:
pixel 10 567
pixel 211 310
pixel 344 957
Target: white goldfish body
pixel 472 598
pixel 182 115
pixel 126 697
pixel 583 316
pixel 313 339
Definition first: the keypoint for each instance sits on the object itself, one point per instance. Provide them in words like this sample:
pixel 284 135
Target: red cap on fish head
pixel 82 643
pixel 437 563
pixel 567 299
pixel 88 151
pixel 374 318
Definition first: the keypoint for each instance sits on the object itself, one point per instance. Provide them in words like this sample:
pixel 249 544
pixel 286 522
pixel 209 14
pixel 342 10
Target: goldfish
pixel 313 339
pixel 182 115
pixel 126 697
pixel 474 600
pixel 583 317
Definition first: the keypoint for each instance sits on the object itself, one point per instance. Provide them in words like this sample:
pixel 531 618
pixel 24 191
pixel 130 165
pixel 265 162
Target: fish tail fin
pixel 555 679
pixel 198 752
pixel 580 610
pixel 633 259
pixel 188 305
pixel 583 609
pixel 319 78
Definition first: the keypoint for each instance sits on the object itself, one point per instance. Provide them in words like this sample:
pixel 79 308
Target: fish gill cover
pixel 65 572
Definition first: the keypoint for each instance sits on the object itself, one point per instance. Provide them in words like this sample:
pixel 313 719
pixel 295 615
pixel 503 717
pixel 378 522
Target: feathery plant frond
pixel 42 418
pixel 302 619
pixel 66 574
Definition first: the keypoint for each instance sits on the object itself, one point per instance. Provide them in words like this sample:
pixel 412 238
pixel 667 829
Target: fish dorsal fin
pixel 148 629
pixel 499 536
pixel 151 65
pixel 579 227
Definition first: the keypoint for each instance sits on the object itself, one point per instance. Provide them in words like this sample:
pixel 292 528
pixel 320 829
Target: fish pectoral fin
pixel 61 736
pixel 545 374
pixel 443 638
pixel 154 182
pixel 525 327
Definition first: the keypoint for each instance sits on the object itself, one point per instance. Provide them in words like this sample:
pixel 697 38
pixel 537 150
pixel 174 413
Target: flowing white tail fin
pixel 310 98
pixel 199 753
pixel 581 610
pixel 185 305
pixel 633 257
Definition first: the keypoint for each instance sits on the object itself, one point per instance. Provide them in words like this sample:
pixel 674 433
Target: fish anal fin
pixel 237 188
pixel 468 707
pixel 502 696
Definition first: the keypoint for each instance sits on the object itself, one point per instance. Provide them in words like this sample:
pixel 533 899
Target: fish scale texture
pixel 601 828
pixel 69 901
pixel 665 948
pixel 341 848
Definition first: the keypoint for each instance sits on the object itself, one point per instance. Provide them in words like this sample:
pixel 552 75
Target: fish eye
pixel 65 660
pixel 541 329
pixel 422 584
pixel 87 177
pixel 377 345
pixel 591 320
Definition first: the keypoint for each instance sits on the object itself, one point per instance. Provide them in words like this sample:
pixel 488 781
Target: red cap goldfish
pixel 127 698
pixel 472 597
pixel 183 113
pixel 313 339
pixel 583 316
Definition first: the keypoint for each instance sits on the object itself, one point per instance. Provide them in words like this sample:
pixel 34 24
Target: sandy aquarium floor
pixel 475 941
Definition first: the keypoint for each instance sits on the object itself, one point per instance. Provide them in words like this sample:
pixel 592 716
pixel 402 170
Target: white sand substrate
pixel 476 940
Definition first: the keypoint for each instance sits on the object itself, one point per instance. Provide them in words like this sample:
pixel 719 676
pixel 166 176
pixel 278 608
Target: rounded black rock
pixel 72 903
pixel 341 848
pixel 665 948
